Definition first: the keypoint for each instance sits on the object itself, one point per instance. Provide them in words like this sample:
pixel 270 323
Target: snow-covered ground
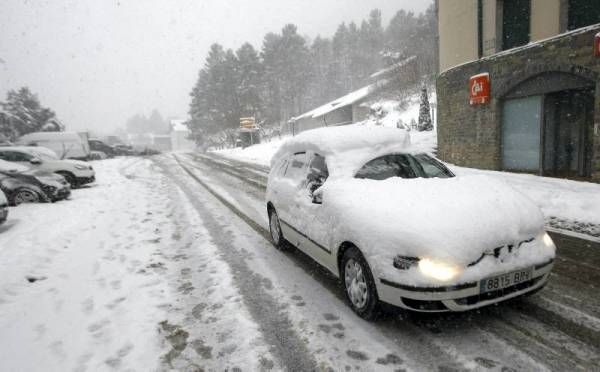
pixel 117 277
pixel 567 205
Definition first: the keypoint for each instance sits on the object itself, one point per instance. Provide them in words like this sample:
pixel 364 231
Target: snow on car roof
pixel 348 147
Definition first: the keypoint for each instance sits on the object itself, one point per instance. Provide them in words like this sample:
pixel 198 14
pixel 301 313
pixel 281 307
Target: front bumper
pixel 461 297
pixel 86 180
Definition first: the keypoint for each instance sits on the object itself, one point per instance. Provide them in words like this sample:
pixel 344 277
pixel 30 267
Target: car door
pixel 287 190
pixel 314 220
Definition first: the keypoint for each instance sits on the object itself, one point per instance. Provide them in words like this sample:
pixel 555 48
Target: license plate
pixel 505 280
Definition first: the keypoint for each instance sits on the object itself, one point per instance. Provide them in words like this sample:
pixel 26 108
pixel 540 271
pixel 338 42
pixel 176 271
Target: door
pixel 568 123
pixel 316 223
pixel 288 189
pixel 521 137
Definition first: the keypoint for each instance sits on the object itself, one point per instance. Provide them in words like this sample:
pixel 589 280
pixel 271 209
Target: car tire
pixel 22 196
pixel 359 285
pixel 70 178
pixel 275 229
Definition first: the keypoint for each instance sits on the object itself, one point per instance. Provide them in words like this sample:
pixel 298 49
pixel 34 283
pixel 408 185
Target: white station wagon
pixel 398 227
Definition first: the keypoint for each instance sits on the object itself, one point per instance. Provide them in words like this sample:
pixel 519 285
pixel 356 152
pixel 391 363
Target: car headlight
pixel 439 270
pixel 81 167
pixel 548 242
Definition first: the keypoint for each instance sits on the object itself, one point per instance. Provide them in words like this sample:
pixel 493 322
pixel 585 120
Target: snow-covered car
pixel 24 185
pixel 398 227
pixel 3 208
pixel 76 172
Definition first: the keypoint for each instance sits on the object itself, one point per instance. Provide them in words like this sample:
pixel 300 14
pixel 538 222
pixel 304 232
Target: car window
pixel 403 166
pixel 280 167
pixel 394 165
pixel 317 169
pixel 14 156
pixel 430 167
pixel 296 166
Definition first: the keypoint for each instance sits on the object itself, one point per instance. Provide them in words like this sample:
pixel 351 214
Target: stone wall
pixel 471 135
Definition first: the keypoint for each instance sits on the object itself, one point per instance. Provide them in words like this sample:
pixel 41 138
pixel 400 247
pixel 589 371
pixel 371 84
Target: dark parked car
pixel 97 145
pixel 32 186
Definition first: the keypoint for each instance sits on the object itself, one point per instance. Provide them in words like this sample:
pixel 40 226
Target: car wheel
pixel 275 229
pixel 25 196
pixel 359 285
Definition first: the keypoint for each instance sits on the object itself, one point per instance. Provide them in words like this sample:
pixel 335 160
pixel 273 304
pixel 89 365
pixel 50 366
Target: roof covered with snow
pixel 346 100
pixel 394 67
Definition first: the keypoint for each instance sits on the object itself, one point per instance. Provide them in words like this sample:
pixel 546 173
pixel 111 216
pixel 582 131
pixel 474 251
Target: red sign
pixel 479 88
pixel 597 45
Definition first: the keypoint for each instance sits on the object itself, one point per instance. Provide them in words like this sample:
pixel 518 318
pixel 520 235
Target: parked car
pixel 97 155
pixel 3 208
pixel 398 227
pixel 100 146
pixel 67 145
pixel 76 172
pixel 121 149
pixel 24 185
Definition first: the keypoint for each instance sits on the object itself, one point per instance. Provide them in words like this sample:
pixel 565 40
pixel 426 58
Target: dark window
pixel 317 173
pixel 317 170
pixel 431 168
pixel 403 166
pixel 14 156
pixel 583 13
pixel 516 15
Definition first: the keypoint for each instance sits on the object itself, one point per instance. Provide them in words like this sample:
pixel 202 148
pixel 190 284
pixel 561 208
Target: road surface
pixel 165 264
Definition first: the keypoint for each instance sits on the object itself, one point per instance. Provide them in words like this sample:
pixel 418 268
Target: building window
pixel 583 13
pixel 516 16
pixel 521 134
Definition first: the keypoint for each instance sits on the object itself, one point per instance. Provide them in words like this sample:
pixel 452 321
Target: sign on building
pixel 479 88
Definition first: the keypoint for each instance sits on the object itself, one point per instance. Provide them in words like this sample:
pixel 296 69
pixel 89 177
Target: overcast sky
pixel 98 62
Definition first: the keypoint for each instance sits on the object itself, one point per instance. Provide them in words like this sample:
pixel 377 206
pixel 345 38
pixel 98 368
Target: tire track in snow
pixel 274 323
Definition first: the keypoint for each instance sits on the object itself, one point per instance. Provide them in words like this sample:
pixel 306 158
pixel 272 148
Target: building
pixel 180 136
pixel 344 110
pixel 354 106
pixel 519 86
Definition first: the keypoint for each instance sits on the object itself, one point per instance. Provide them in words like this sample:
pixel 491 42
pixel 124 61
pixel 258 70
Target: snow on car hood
pixel 454 219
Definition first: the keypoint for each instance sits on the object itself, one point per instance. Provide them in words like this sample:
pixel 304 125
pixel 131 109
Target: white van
pixel 67 145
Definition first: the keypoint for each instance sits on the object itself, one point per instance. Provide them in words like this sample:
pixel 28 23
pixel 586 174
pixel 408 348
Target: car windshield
pixel 403 166
pixel 44 155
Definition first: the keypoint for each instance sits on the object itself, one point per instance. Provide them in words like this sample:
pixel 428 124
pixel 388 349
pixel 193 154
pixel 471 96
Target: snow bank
pixel 258 154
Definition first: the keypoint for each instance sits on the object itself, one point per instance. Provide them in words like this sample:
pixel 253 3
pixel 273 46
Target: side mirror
pixel 35 161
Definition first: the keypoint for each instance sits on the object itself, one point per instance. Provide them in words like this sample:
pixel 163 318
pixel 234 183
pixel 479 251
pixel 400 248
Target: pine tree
pixel 424 113
pixel 24 114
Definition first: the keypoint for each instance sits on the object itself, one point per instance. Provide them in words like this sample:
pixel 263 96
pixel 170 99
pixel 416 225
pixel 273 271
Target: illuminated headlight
pixel 81 167
pixel 439 270
pixel 548 242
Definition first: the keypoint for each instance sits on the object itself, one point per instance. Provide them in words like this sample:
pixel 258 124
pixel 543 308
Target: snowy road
pixel 165 264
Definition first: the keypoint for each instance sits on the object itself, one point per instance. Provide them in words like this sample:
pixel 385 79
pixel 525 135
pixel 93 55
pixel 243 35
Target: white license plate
pixel 505 280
